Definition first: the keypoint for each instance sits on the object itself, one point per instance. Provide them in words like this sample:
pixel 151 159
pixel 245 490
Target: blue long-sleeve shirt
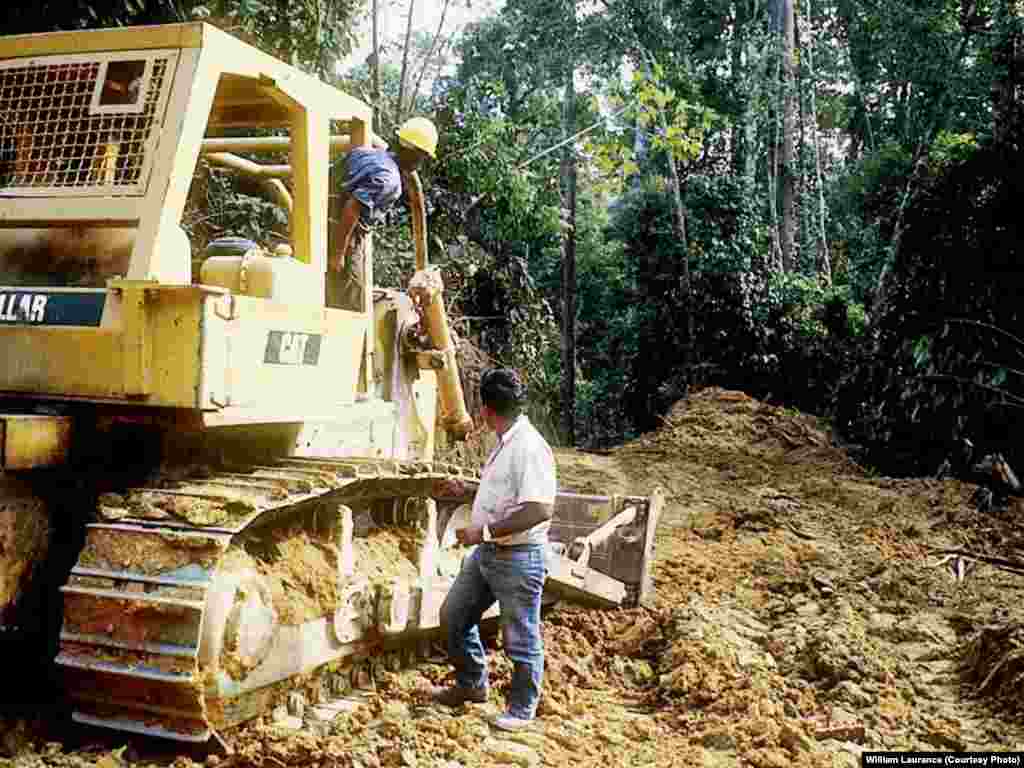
pixel 372 176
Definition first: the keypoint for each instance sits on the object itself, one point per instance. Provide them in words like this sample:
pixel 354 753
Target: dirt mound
pixel 726 429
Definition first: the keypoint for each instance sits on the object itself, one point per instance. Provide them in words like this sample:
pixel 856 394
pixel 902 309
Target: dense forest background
pixel 815 202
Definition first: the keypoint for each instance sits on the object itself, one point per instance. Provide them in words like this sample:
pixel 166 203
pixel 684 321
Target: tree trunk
pixel 774 196
pixel 568 181
pixel 430 54
pixel 400 107
pixel 823 260
pixel 1004 60
pixel 686 297
pixel 787 166
pixel 756 66
pixel 803 232
pixel 739 150
pixel 376 63
pixel 639 154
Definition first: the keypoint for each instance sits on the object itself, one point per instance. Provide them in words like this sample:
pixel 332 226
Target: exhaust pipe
pixel 426 290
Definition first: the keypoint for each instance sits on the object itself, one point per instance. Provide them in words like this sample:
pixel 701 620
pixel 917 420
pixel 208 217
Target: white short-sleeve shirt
pixel 521 468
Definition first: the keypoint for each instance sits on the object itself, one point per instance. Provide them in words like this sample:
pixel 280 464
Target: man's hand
pixel 451 488
pixel 467 537
pixel 337 261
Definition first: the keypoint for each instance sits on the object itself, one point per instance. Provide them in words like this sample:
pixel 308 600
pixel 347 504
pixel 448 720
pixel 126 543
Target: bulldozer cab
pixel 100 135
pixel 111 123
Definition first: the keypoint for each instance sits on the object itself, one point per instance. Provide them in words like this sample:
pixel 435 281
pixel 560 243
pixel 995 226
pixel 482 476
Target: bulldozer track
pixel 131 647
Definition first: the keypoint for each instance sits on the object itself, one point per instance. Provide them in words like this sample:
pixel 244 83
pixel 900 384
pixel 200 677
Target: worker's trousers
pixel 514 576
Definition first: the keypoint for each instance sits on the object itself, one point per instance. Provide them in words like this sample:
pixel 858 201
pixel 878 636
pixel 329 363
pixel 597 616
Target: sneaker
pixel 457 695
pixel 507 722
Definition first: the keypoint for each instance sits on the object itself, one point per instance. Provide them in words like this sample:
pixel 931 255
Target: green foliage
pixel 46 16
pixel 753 329
pixel 950 149
pixel 678 127
pixel 944 359
pixel 506 218
pixel 811 310
pixel 795 298
pixel 221 204
pixel 922 351
pixel 727 229
pixel 314 36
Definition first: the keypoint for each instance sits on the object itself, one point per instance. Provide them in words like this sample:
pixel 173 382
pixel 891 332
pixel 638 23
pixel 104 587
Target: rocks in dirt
pixel 636 639
pixel 329 711
pixel 880 624
pixel 710 648
pixel 848 692
pixel 714 758
pixel 919 628
pixel 511 752
pixel 834 647
pixel 841 715
pixel 795 739
pixel 832 657
pixel 844 754
pixel 718 740
pixel 637 672
pixel 944 733
pixel 850 730
pixel 396 757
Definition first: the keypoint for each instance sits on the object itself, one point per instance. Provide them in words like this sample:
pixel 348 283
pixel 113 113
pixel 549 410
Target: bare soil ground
pixel 802 615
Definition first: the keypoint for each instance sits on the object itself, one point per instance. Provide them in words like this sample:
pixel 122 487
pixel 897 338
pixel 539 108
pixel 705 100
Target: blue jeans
pixel 514 576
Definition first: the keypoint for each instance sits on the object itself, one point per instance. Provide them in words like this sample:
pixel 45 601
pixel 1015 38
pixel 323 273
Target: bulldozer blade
pixel 615 571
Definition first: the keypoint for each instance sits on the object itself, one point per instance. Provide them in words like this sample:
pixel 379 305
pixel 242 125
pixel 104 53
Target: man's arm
pixel 523 519
pixel 350 214
pixel 528 515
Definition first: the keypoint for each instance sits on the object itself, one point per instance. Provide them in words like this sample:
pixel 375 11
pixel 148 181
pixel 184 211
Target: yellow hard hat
pixel 420 133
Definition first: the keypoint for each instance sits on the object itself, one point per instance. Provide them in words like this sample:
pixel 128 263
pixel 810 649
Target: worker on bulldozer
pixel 373 182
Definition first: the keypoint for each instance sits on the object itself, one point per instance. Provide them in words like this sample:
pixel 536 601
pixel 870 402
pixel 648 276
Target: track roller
pixel 296 704
pixel 340 683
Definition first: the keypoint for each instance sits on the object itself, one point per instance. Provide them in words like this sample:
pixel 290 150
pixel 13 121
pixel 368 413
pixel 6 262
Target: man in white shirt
pixel 511 516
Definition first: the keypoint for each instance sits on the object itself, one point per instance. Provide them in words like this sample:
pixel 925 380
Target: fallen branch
pixel 1009 399
pixel 1017 341
pixel 1013 566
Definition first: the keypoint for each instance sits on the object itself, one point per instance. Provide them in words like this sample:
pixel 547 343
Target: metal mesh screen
pixel 52 138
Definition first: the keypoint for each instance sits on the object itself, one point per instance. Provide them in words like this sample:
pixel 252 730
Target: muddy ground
pixel 802 615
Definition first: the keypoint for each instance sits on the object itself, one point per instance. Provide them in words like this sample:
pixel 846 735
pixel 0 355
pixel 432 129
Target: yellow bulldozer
pixel 218 485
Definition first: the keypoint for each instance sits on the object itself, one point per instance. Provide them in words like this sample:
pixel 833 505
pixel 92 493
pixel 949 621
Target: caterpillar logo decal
pixel 22 308
pixel 44 308
pixel 288 348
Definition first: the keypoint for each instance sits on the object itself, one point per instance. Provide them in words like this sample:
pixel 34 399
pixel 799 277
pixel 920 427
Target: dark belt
pixel 509 547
